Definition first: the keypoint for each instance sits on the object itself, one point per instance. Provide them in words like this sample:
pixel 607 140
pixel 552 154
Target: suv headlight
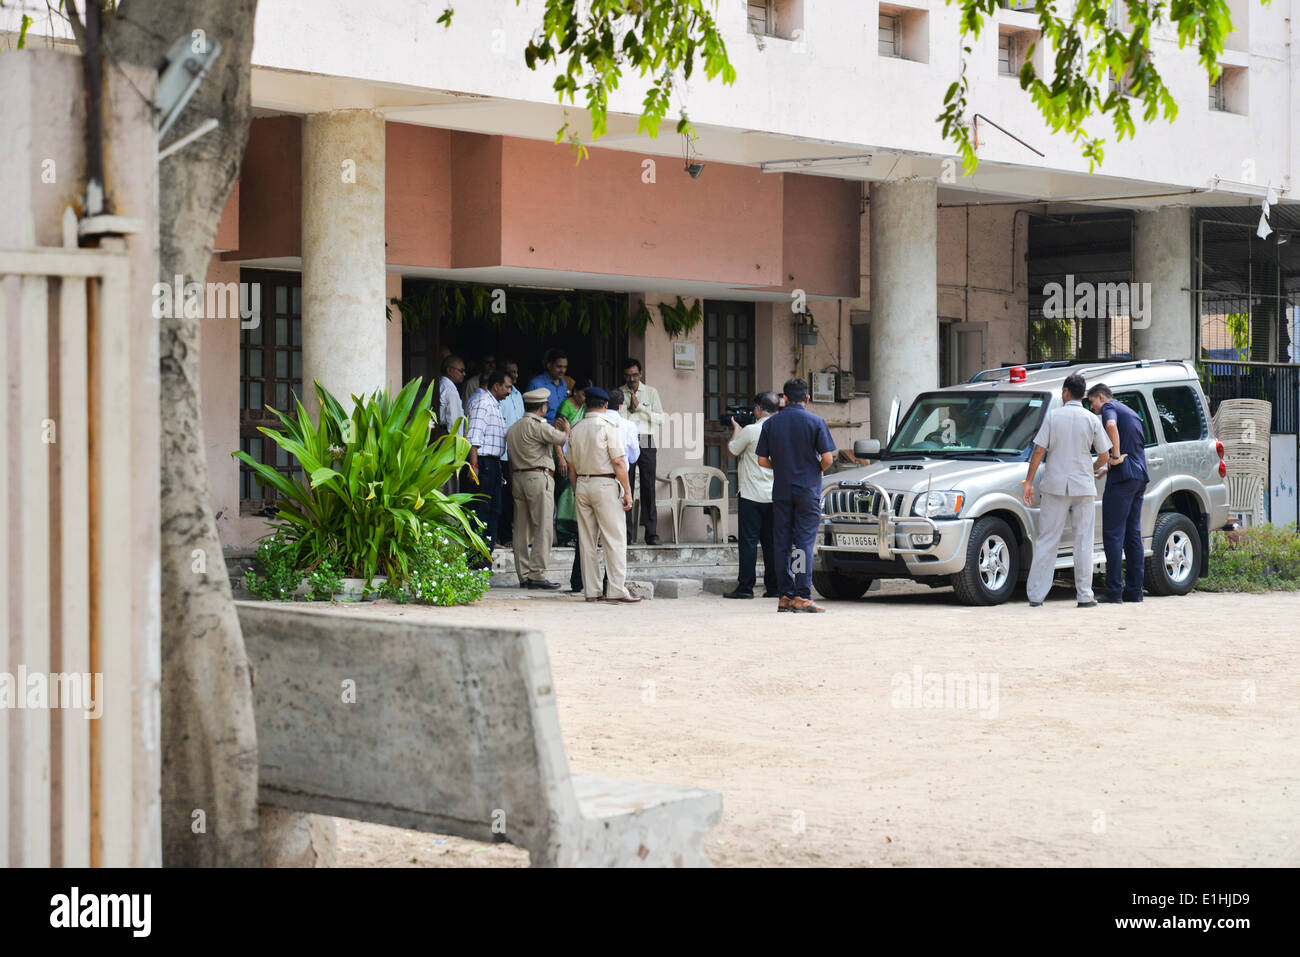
pixel 938 504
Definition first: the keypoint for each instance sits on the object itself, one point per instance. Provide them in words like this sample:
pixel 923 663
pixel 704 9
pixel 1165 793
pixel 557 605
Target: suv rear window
pixel 1180 413
pixel 1138 404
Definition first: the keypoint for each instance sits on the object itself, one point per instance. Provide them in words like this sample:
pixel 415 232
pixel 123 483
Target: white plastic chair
pixel 693 482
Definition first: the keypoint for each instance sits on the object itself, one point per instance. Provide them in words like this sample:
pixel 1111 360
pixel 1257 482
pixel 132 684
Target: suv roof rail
pixel 1094 365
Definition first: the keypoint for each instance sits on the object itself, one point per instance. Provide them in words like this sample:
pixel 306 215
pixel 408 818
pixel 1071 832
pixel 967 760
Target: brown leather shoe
pixel 785 604
pixel 625 600
pixel 804 604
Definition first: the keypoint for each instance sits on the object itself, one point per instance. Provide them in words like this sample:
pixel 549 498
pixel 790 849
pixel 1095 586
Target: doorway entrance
pixel 962 350
pixel 590 327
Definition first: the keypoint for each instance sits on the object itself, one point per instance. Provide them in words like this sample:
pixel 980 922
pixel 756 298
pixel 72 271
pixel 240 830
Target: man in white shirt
pixel 450 407
pixel 1070 434
pixel 512 408
pixel 632 446
pixel 641 404
pixel 755 507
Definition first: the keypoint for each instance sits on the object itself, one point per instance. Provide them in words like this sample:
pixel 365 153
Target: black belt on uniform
pixel 599 475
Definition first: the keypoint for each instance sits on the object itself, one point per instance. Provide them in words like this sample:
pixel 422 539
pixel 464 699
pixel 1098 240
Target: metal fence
pixel 1279 383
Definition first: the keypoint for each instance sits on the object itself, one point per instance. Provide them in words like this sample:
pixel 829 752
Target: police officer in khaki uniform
pixel 532 445
pixel 598 471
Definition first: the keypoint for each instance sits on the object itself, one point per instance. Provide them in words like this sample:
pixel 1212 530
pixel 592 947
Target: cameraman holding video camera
pixel 755 512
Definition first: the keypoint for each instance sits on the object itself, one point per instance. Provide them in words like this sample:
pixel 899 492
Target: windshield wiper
pixel 964 453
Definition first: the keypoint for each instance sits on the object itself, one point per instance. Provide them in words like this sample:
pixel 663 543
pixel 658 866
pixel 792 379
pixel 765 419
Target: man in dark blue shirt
pixel 1121 502
pixel 796 445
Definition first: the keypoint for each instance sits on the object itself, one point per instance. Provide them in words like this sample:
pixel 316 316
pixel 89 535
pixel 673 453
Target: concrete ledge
pixel 679 587
pixel 641 589
pixel 718 586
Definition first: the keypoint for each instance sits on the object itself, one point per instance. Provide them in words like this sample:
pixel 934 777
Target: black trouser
pixel 506 523
pixel 645 468
pixel 575 576
pixel 755 519
pixel 487 508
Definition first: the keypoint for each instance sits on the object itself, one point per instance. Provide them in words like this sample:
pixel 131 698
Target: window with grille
pixel 1248 288
pixel 270 374
pixel 1065 252
pixel 891 35
pixel 1008 65
pixel 1217 102
pixel 728 378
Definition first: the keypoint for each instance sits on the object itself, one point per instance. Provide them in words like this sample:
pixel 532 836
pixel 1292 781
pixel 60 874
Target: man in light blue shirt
pixel 552 380
pixel 512 409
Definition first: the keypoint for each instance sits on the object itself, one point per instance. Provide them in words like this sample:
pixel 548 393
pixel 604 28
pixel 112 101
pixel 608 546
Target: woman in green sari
pixel 575 406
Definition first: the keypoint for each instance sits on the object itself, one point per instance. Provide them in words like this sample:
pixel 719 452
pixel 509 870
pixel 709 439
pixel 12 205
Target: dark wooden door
pixel 728 367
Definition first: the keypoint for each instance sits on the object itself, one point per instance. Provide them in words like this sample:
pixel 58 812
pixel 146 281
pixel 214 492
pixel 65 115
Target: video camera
pixel 742 414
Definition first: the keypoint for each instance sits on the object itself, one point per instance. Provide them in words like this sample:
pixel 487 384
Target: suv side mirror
pixel 866 448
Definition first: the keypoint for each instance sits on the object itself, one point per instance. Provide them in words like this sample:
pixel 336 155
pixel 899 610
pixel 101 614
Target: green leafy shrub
pixel 275 575
pixel 440 573
pixel 1259 559
pixel 373 500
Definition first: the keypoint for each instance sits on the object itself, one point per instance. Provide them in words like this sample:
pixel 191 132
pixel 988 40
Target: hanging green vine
pixel 678 320
pixel 588 312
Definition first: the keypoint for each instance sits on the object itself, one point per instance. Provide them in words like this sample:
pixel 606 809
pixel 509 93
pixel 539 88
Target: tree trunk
pixel 209 743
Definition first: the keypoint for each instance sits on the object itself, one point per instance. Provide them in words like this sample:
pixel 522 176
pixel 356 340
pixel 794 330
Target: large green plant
pixel 374 479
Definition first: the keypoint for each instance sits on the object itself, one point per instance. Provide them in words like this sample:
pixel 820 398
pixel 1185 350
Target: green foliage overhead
pixel 591 43
pixel 1091 44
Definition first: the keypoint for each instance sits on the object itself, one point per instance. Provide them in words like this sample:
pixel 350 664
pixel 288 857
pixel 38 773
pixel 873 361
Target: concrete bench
pixel 447 729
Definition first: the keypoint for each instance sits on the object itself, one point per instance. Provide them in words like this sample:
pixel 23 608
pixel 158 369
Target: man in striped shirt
pixel 487 438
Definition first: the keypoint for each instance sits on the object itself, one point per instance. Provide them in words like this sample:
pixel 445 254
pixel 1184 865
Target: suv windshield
pixel 954 424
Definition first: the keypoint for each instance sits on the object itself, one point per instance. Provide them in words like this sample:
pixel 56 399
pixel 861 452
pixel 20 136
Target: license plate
pixel 856 541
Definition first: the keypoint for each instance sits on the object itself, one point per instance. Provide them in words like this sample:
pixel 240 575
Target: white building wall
pixel 829 85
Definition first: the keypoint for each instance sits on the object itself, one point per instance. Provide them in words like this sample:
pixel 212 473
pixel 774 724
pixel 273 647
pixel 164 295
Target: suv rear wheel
pixel 835 586
pixel 992 564
pixel 1175 555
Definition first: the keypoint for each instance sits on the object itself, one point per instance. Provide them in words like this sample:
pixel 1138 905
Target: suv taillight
pixel 1223 469
pixel 1218 447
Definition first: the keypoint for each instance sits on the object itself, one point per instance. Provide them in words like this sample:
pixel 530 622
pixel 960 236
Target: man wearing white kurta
pixel 1069 435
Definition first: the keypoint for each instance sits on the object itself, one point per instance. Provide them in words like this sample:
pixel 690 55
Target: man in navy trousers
pixel 1121 502
pixel 796 445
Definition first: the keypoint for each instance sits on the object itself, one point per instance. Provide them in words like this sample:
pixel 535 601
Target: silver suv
pixel 943 503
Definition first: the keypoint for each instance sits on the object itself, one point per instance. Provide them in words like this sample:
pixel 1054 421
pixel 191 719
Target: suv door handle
pixel 1155 461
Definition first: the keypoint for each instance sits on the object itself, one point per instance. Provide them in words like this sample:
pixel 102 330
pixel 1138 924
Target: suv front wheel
pixel 1175 555
pixel 835 586
pixel 992 564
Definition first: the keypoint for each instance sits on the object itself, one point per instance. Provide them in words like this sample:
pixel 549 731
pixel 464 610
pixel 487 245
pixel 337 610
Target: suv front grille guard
pixel 858 501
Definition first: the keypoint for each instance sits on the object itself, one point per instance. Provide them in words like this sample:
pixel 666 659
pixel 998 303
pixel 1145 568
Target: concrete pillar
pixel 904 295
pixel 344 330
pixel 1162 256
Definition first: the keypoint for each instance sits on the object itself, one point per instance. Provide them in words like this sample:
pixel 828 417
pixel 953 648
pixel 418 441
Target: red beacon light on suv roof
pixel 1017 374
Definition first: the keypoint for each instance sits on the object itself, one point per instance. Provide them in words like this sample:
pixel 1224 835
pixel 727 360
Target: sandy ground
pixel 1155 734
